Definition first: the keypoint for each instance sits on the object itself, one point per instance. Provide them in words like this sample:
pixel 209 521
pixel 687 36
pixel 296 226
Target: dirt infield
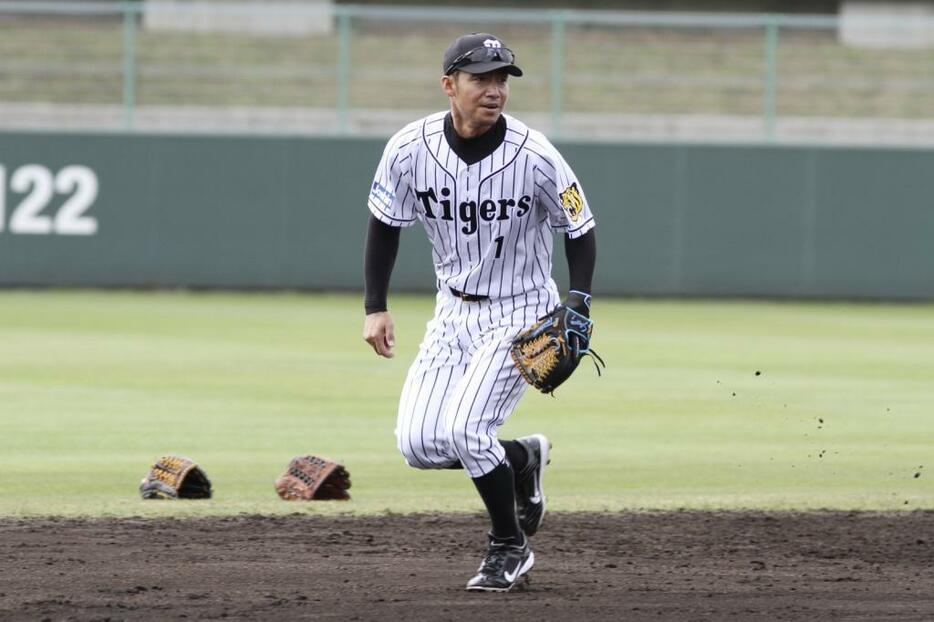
pixel 633 566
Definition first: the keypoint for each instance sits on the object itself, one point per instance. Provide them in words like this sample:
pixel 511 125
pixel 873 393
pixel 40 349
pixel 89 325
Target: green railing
pixel 367 67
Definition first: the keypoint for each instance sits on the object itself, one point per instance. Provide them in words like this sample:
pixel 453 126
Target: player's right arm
pixel 382 246
pixel 392 206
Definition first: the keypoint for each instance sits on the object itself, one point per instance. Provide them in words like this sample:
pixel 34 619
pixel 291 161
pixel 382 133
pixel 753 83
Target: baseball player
pixel 489 192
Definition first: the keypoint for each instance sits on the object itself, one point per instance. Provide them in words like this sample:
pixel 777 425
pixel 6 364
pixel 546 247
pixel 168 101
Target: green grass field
pixel 95 385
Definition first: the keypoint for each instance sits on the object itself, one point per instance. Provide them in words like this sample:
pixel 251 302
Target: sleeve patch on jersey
pixel 382 195
pixel 572 201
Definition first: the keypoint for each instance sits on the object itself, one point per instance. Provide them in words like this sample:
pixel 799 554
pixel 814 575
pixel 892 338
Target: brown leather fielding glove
pixel 174 477
pixel 548 352
pixel 313 478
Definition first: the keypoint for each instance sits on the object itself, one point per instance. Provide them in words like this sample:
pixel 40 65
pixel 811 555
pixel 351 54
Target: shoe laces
pixel 496 556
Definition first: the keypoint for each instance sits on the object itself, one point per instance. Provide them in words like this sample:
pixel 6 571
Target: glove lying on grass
pixel 310 478
pixel 174 477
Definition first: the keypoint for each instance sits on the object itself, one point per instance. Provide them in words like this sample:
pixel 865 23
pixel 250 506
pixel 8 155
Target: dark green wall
pixel 672 219
pixel 712 220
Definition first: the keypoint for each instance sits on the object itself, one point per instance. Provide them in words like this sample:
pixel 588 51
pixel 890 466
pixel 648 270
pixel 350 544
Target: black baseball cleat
pixel 505 563
pixel 530 497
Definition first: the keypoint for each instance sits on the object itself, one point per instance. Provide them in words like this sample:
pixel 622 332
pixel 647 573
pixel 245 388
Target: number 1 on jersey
pixel 499 246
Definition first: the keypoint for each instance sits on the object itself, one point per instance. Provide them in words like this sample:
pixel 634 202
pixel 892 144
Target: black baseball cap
pixel 479 52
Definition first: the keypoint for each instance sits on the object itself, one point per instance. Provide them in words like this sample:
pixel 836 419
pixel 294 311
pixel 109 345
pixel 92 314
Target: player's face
pixel 477 99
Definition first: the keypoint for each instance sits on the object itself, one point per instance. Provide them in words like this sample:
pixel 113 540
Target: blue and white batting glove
pixel 578 301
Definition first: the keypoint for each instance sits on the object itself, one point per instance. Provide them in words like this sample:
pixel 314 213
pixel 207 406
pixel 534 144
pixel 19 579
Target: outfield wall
pixel 269 212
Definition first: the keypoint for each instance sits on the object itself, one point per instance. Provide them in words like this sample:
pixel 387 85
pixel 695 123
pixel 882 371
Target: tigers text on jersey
pixel 489 223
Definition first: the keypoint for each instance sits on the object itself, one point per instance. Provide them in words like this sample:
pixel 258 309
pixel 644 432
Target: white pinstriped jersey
pixel 489 223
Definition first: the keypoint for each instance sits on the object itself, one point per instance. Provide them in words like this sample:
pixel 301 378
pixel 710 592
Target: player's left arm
pixel 569 211
pixel 581 253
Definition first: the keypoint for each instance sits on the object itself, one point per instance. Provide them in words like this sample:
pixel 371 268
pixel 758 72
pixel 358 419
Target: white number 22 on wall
pixel 39 185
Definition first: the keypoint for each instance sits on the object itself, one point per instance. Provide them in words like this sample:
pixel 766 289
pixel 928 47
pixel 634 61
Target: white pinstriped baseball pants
pixel 463 385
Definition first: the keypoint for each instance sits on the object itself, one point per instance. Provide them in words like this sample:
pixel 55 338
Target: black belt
pixel 468 297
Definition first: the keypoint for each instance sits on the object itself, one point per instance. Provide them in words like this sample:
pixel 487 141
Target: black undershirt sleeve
pixel 582 256
pixel 382 245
